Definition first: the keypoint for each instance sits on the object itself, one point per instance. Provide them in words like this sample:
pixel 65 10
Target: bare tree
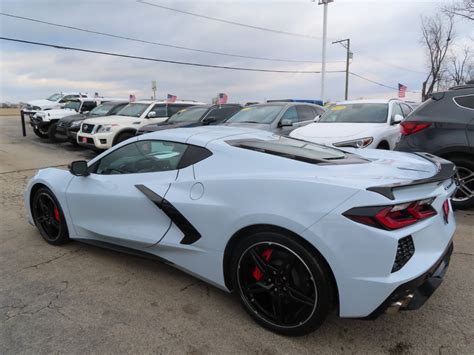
pixel 437 38
pixel 460 67
pixel 461 8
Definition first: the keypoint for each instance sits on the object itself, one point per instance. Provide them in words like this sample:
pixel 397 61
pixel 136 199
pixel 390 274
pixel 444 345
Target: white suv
pixel 357 124
pixel 44 122
pixel 104 132
pixel 56 100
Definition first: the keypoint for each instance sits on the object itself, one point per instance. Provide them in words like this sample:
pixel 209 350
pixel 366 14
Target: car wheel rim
pixel 47 216
pixel 277 285
pixel 465 182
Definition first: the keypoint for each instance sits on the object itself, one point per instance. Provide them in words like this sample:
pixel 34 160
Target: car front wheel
pixel 41 132
pixel 49 217
pixel 284 287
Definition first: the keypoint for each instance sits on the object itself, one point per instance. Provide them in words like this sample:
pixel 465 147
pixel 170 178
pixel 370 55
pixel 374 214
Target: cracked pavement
pixel 82 299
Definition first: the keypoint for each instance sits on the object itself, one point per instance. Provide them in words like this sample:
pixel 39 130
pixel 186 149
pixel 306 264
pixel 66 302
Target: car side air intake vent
pixel 405 251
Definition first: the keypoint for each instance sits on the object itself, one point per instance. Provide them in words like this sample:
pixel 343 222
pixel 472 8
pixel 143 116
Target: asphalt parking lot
pixel 82 299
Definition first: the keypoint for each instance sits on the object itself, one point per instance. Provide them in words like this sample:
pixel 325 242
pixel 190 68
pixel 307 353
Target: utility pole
pixel 348 58
pixel 323 61
pixel 153 87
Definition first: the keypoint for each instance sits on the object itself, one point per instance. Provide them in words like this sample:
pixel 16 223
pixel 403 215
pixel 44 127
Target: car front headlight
pixel 105 128
pixel 355 143
pixel 76 123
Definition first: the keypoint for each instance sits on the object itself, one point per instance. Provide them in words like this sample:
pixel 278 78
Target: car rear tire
pixel 281 284
pixel 52 131
pixel 123 136
pixel 42 133
pixel 464 196
pixel 49 217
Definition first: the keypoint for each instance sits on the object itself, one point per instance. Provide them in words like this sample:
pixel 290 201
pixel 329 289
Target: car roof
pixel 365 101
pixel 148 102
pixel 203 135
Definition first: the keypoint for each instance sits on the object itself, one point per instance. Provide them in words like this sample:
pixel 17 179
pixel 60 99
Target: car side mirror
pixel 209 120
pixel 316 119
pixel 286 122
pixel 79 168
pixel 151 114
pixel 397 119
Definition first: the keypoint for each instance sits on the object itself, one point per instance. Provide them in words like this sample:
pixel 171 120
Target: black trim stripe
pixel 191 234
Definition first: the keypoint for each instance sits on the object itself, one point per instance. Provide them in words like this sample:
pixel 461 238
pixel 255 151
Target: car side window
pixel 160 110
pixel 88 105
pixel 305 113
pixel 290 114
pixel 465 101
pixel 142 157
pixel 396 110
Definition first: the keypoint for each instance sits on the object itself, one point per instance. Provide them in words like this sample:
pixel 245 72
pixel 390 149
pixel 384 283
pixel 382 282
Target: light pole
pixel 323 61
pixel 348 57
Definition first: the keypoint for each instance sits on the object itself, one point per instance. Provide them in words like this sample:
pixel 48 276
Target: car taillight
pixel 393 217
pixel 446 209
pixel 410 127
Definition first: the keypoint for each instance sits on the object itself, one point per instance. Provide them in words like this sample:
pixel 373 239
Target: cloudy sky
pixel 385 37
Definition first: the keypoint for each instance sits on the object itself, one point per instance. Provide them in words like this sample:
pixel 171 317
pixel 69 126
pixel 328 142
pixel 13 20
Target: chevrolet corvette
pixel 295 229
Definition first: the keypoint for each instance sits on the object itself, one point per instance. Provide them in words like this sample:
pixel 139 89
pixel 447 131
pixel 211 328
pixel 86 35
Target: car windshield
pixel 73 105
pixel 256 114
pixel 356 113
pixel 101 110
pixel 133 110
pixel 55 97
pixel 188 115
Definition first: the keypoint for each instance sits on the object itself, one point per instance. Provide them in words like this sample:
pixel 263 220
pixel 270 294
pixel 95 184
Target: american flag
pixel 402 89
pixel 221 98
pixel 132 98
pixel 171 98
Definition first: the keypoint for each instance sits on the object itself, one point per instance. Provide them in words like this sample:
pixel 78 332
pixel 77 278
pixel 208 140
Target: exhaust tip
pixel 400 304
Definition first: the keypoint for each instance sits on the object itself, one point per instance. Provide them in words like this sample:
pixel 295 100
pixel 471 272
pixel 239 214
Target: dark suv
pixel 444 126
pixel 194 116
pixel 68 127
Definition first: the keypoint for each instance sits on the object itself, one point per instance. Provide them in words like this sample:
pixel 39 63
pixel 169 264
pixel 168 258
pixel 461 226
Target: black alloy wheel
pixel 282 286
pixel 49 218
pixel 464 195
pixel 41 132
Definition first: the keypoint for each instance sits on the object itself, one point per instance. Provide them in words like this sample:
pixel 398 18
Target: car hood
pixel 263 126
pixel 338 131
pixel 121 120
pixel 165 125
pixel 43 103
pixel 76 117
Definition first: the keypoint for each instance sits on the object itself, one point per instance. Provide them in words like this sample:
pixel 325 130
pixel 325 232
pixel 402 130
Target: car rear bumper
pixel 413 294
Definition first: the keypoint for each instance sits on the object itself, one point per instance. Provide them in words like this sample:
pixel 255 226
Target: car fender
pixel 57 180
pixel 124 130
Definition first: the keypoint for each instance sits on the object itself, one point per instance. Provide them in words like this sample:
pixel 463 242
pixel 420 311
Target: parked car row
pixel 443 125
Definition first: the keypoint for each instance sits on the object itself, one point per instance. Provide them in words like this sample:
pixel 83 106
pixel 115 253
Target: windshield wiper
pixel 246 122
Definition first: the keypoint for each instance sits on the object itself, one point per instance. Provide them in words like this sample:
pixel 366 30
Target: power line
pixel 189 63
pixel 235 23
pixel 164 60
pixel 228 21
pixel 378 83
pixel 157 43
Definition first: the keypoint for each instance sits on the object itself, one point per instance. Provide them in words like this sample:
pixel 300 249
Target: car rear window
pixel 290 148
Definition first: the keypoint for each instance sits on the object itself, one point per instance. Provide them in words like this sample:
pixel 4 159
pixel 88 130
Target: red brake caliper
pixel 257 273
pixel 57 216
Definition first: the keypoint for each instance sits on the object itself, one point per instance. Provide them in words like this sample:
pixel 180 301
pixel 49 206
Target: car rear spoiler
pixel 445 171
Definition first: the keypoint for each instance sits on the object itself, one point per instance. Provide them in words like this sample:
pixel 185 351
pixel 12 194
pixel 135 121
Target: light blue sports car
pixel 295 229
